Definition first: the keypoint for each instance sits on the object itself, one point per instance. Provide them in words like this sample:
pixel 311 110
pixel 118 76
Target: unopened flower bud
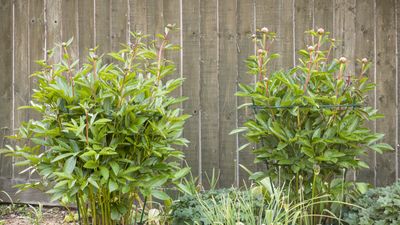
pixel 170 26
pixel 317 169
pixel 342 60
pixel 265 79
pixel 95 57
pixel 333 39
pixel 264 30
pixel 321 31
pixel 310 48
pixel 253 36
pixel 260 51
pixel 64 44
pixel 364 60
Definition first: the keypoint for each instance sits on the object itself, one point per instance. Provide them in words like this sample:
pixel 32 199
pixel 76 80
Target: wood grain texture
pixel 6 81
pixel 36 51
pixel 155 17
pixel 103 26
pixel 398 91
pixel 70 27
pixel 285 34
pixel 53 27
pixel 191 88
pixel 386 87
pixel 245 27
pixel 365 48
pixel 267 14
pixel 227 79
pixel 210 91
pixel 323 15
pixel 138 16
pixel 344 33
pixel 86 36
pixel 21 58
pixel 171 12
pixel 119 24
pixel 303 20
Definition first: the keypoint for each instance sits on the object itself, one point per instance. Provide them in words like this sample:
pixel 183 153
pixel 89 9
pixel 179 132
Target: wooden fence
pixel 214 35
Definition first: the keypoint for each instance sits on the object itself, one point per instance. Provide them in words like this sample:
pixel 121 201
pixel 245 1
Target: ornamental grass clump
pixel 309 124
pixel 107 133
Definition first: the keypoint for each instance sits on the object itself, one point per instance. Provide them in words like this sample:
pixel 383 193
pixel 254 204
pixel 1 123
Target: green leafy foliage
pixel 309 123
pixel 380 206
pixel 107 133
pixel 188 210
pixel 259 204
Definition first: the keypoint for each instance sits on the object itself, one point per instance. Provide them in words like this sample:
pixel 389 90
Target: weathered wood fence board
pixel 215 39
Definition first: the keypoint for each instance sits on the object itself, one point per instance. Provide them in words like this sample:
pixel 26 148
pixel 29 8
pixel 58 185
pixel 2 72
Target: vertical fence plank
pixel 6 63
pixel 268 15
pixel 365 48
pixel 245 27
pixel 138 16
pixel 36 41
pixel 53 24
pixel 303 19
pixel 345 34
pixel 36 51
pixel 171 12
pixel 119 24
pixel 209 94
pixel 285 34
pixel 69 26
pixel 323 15
pixel 386 87
pixel 86 29
pixel 155 17
pixel 191 88
pixel 398 90
pixel 227 79
pixel 103 26
pixel 22 88
pixel 344 31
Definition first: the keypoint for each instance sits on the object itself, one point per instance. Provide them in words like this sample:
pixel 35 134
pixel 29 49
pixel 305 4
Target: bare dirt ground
pixel 27 215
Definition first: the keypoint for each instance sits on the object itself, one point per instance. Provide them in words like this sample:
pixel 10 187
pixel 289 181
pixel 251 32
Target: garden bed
pixel 19 214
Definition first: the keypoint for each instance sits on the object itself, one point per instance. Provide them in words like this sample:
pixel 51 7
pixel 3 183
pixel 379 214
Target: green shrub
pixel 106 133
pixel 309 121
pixel 380 206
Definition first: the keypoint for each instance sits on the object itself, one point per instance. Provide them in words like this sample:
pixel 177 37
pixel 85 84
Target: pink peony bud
pixel 264 30
pixel 342 60
pixel 364 60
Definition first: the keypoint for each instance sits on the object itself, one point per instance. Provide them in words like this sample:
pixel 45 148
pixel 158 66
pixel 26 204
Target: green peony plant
pixel 309 124
pixel 106 134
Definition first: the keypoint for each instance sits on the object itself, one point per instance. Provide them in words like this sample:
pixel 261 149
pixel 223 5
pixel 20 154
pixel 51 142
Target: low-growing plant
pixel 187 209
pixel 260 204
pixel 380 206
pixel 107 134
pixel 309 121
pixel 36 214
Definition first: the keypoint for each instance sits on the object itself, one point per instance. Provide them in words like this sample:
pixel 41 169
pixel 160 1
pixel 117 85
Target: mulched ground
pixel 26 215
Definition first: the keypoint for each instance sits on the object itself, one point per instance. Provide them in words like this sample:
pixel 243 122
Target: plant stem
pixel 144 206
pixel 78 206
